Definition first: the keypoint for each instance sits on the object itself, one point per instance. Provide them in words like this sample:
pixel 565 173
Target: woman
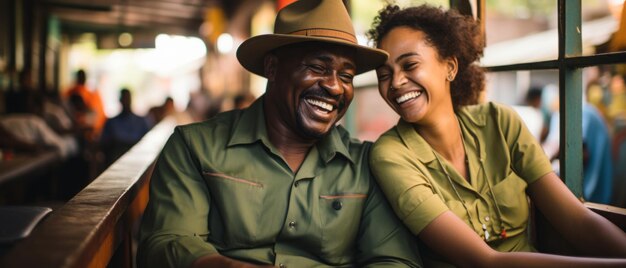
pixel 459 174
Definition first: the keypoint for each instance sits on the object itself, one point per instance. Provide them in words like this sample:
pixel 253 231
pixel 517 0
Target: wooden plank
pixel 87 231
pixel 28 165
pixel 614 214
pixel 549 240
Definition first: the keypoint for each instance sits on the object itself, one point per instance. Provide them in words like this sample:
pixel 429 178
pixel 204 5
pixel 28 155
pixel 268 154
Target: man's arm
pixel 175 224
pixel 383 241
pixel 174 227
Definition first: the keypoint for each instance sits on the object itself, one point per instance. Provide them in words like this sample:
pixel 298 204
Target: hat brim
pixel 251 52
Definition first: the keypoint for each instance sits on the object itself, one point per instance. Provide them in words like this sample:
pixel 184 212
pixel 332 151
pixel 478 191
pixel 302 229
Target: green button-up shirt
pixel 503 158
pixel 221 186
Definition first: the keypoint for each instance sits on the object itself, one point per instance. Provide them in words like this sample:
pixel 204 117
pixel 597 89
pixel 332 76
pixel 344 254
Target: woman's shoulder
pixel 480 112
pixel 487 108
pixel 389 140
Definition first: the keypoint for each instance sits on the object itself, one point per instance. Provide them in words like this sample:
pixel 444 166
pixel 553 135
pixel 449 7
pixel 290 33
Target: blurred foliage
pixel 533 8
pixel 522 8
pixel 363 14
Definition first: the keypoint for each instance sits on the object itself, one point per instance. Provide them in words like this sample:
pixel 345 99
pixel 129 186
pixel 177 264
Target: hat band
pixel 327 33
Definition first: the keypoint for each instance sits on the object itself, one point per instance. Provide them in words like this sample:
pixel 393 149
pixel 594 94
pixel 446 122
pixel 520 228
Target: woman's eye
pixel 410 65
pixel 383 76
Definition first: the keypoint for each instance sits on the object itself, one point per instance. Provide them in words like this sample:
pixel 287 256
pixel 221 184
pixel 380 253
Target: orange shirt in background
pixel 94 103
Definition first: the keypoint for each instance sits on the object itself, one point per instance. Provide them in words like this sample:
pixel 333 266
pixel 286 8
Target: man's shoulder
pixel 219 124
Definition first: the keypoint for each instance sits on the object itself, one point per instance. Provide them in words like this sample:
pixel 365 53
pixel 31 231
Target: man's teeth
pixel 408 96
pixel 322 105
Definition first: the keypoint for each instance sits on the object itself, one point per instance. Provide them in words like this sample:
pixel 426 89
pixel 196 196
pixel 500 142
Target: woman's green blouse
pixel 502 155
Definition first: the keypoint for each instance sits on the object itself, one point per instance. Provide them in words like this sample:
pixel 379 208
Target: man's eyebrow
pixel 349 65
pixel 406 55
pixel 328 58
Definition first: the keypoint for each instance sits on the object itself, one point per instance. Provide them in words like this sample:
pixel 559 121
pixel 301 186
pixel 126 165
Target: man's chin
pixel 314 131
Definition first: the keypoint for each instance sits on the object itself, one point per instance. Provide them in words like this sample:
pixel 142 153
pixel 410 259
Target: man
pixel 122 131
pixel 278 183
pixel 93 103
pixel 26 124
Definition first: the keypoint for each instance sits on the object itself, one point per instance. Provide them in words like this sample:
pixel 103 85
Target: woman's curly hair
pixel 451 34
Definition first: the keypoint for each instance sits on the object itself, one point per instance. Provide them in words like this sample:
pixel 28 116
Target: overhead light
pixel 125 39
pixel 224 43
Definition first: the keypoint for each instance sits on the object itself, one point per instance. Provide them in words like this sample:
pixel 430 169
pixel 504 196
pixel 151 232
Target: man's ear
pixel 270 63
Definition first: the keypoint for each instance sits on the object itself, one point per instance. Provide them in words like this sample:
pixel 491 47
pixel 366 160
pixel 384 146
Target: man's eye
pixel 316 68
pixel 346 78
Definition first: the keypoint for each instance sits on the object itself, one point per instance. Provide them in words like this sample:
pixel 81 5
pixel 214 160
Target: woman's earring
pixel 450 77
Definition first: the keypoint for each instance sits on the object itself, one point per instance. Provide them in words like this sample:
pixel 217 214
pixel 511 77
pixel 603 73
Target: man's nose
pixel 331 84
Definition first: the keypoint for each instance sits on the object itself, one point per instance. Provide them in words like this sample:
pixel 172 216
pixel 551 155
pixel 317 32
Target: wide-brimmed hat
pixel 305 21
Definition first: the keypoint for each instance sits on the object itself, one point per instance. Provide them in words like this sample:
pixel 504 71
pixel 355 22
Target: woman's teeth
pixel 408 96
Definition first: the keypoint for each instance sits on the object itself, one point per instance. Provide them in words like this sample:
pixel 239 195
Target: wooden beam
pixel 92 226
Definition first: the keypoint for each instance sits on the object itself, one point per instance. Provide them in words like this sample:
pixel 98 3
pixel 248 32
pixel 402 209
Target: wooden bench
pixel 549 240
pixel 96 227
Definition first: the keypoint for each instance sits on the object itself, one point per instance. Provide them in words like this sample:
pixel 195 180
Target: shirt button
pixel 337 205
pixel 282 265
pixel 487 218
pixel 295 184
pixel 292 224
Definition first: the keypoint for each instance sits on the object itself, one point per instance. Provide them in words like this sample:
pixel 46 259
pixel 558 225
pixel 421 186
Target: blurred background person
pixel 27 125
pixel 91 100
pixel 157 113
pixel 123 131
pixel 617 105
pixel 531 114
pixel 597 160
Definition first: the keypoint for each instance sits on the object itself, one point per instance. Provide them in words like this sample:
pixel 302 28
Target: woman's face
pixel 413 80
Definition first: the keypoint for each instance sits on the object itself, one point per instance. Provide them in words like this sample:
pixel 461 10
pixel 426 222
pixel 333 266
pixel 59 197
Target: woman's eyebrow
pixel 406 55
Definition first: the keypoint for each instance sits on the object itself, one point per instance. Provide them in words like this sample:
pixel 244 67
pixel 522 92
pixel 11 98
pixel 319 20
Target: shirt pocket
pixel 511 198
pixel 340 216
pixel 234 214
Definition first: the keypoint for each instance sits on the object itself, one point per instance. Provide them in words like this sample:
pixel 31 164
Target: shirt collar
pixel 415 142
pixel 251 128
pixel 420 147
pixel 336 142
pixel 471 115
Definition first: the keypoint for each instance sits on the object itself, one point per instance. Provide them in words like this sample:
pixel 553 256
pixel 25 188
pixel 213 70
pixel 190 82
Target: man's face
pixel 312 86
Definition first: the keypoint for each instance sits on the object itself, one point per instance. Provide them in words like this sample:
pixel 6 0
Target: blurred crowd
pixel 73 125
pixel 603 130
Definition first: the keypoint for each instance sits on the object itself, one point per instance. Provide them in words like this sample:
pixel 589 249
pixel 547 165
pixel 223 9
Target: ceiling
pixel 168 16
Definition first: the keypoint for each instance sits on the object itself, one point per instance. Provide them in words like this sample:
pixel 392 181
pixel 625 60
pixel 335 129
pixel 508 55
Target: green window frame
pixel 569 65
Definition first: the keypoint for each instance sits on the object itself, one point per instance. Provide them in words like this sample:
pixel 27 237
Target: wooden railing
pixel 549 240
pixel 614 214
pixel 96 227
